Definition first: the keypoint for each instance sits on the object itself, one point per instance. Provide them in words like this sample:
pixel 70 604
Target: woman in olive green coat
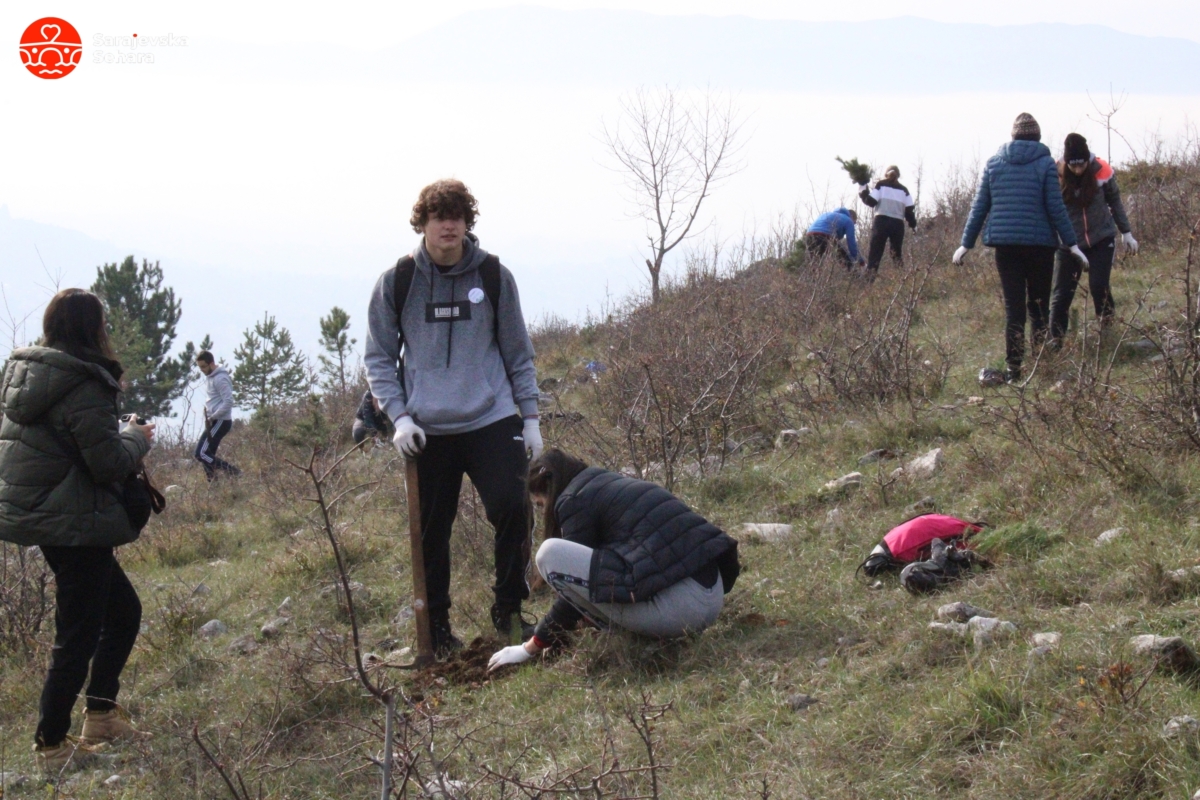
pixel 63 459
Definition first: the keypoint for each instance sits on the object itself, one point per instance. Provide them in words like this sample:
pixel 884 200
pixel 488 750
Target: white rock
pixel 202 590
pixel 1182 727
pixel 958 629
pixel 767 531
pixel 243 645
pixel 850 481
pixel 925 466
pixel 1185 574
pixel 1109 535
pixel 213 628
pixel 1196 796
pixel 834 519
pixel 398 656
pixel 1050 639
pixel 790 436
pixel 987 630
pixel 173 489
pixel 822 663
pixel 1172 652
pixel 975 401
pixel 220 562
pixel 286 605
pixel 403 616
pixel 275 627
pixel 960 612
pixel 112 780
pixel 744 686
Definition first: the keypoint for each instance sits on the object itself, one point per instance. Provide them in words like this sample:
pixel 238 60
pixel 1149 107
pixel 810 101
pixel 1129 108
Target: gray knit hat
pixel 1026 127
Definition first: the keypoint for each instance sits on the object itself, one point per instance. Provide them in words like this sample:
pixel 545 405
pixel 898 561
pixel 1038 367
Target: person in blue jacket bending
pixel 1020 211
pixel 823 236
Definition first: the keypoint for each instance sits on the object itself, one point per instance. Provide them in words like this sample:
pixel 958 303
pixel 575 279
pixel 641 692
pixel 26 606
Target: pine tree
pixel 335 338
pixel 142 315
pixel 270 370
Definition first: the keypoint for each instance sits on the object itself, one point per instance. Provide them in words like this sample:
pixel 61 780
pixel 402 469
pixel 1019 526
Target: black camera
pixel 135 419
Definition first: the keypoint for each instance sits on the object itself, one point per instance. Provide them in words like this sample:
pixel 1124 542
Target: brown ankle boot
pixel 69 754
pixel 109 726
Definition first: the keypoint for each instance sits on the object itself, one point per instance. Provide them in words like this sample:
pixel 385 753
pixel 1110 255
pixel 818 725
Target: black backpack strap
pixel 406 268
pixel 489 274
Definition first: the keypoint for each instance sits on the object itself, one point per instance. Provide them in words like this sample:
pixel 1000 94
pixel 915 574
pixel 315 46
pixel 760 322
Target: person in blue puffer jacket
pixel 823 235
pixel 1020 211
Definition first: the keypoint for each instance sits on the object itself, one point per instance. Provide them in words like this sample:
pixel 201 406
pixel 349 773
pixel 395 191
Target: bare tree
pixel 673 149
pixel 1104 116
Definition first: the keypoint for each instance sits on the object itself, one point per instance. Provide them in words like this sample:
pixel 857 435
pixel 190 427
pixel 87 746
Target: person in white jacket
pixel 218 416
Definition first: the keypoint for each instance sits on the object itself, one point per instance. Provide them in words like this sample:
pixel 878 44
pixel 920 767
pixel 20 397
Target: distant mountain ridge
pixel 540 46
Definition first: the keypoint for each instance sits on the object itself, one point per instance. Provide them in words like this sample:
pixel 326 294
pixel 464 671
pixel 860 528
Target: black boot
pixel 445 642
pixel 505 618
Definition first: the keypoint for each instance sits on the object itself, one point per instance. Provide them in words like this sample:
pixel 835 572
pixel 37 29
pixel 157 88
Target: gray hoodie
pixel 218 388
pixel 457 376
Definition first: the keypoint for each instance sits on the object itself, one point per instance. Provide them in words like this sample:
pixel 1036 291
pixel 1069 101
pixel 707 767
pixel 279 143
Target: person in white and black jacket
pixel 893 208
pixel 622 553
pixel 218 416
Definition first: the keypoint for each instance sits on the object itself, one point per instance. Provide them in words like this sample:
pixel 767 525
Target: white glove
pixel 1075 251
pixel 532 434
pixel 509 656
pixel 409 439
pixel 1130 243
pixel 960 255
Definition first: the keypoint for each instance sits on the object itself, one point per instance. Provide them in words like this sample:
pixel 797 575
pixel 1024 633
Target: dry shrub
pixel 24 596
pixel 1161 189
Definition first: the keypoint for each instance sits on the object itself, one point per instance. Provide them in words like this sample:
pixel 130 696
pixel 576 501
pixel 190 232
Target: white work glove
pixel 960 255
pixel 532 434
pixel 1075 251
pixel 509 656
pixel 409 439
pixel 1130 243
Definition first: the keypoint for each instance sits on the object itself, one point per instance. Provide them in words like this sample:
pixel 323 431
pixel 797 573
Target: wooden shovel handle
pixel 420 598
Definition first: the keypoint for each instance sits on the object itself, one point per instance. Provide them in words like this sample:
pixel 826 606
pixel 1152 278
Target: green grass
pixel 901 712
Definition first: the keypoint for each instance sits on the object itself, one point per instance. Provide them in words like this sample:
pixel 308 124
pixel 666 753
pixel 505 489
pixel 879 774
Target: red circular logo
pixel 51 48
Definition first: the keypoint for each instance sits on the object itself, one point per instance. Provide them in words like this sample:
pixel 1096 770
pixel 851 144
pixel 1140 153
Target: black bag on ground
pixel 946 564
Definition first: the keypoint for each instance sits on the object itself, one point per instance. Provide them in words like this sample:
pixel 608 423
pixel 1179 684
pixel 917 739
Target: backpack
pixel 945 565
pixel 406 268
pixel 912 541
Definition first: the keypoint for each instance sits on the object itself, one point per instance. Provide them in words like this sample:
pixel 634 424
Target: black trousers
pixel 206 448
pixel 885 231
pixel 1067 271
pixel 96 622
pixel 494 458
pixel 819 245
pixel 1026 275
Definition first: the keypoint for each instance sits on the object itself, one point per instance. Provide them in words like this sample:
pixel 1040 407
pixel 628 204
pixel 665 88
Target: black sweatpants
pixel 206 448
pixel 1067 271
pixel 96 622
pixel 1026 275
pixel 818 245
pixel 885 231
pixel 494 458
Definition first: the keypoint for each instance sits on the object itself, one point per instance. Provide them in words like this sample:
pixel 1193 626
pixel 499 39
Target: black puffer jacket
pixel 61 455
pixel 645 538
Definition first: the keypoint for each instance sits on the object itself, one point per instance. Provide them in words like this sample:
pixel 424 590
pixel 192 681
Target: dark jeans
pixel 494 458
pixel 819 245
pixel 206 449
pixel 96 622
pixel 885 231
pixel 1067 271
pixel 1026 273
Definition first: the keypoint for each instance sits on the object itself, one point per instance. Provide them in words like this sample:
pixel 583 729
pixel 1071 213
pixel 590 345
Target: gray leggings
pixel 682 608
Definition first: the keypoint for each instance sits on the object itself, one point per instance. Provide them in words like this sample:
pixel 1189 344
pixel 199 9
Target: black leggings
pixel 885 231
pixel 1067 271
pixel 494 458
pixel 95 624
pixel 1026 274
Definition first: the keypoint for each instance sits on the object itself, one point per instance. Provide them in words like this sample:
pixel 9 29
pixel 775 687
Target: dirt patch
pixel 467 667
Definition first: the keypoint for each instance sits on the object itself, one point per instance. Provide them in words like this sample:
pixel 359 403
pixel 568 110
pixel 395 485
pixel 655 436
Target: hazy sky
pixel 291 196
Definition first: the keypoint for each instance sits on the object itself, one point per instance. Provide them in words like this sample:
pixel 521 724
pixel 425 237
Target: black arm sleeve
pixel 910 216
pixel 865 196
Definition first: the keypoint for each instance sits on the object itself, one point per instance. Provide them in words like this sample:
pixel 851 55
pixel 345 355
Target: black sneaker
pixel 445 642
pixel 1012 375
pixel 506 618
